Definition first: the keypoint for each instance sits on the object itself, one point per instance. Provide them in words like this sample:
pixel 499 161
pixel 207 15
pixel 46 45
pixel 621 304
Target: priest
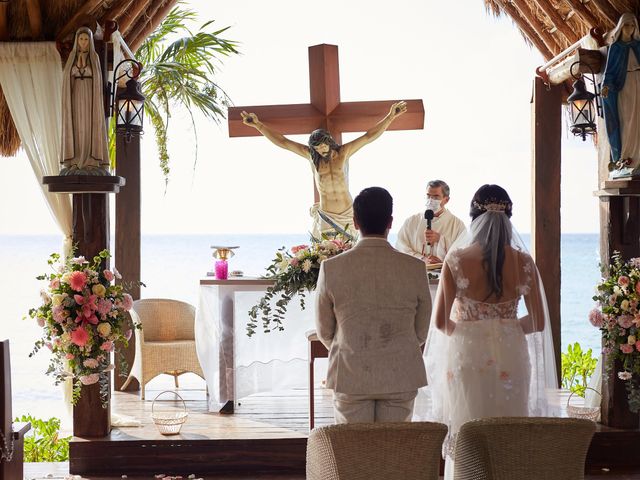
pixel 431 240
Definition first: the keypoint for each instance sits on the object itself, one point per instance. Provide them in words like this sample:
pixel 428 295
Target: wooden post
pixel 90 236
pixel 545 175
pixel 127 252
pixel 620 231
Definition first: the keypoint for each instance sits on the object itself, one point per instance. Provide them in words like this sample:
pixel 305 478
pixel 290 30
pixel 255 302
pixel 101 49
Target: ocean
pixel 172 266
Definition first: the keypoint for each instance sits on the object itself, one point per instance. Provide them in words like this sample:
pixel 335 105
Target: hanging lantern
pixel 582 110
pixel 128 104
pixel 130 109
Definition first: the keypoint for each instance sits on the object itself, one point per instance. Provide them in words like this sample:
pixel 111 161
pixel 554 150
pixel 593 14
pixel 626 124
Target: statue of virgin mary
pixel 84 132
pixel 621 94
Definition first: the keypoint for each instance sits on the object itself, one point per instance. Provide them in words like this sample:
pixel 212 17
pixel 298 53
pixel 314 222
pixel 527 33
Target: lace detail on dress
pixel 468 310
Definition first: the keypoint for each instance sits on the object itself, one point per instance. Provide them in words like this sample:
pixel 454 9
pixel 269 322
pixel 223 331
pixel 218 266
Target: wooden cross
pixel 325 109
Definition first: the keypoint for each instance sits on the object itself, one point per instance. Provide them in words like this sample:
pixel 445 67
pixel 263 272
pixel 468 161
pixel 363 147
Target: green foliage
pixel 577 368
pixel 180 73
pixel 294 272
pixel 43 443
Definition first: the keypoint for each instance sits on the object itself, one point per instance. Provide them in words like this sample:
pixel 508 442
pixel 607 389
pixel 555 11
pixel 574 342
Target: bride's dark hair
pixel 492 237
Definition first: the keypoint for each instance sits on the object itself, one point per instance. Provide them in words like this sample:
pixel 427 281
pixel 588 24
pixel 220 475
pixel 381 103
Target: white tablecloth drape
pixel 236 365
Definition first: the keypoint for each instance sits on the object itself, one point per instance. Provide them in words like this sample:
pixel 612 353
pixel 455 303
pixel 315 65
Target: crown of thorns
pixel 492 205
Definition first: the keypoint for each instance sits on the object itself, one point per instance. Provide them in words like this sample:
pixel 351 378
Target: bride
pixel 485 355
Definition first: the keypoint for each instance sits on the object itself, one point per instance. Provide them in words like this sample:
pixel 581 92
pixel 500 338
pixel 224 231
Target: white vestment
pixel 411 235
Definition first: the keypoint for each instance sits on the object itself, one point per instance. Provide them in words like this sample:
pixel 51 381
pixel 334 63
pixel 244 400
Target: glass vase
pixel 222 269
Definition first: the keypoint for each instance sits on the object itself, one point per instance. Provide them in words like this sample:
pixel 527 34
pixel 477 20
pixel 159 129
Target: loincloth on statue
pixel 343 220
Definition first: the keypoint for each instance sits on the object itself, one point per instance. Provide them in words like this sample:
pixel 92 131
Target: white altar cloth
pixel 236 365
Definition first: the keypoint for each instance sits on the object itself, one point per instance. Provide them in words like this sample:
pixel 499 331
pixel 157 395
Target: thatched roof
pixel 549 25
pixel 553 25
pixel 56 20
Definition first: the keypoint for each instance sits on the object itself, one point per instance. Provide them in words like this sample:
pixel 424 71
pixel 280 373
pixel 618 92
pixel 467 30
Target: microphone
pixel 428 215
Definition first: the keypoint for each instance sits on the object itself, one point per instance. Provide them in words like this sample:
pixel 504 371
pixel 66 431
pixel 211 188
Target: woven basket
pixel 169 423
pixel 587 413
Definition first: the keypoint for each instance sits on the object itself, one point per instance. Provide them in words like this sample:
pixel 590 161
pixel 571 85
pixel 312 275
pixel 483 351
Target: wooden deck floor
pixel 269 415
pixel 264 439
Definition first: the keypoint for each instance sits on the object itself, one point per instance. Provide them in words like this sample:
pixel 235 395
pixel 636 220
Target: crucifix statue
pixel 326 118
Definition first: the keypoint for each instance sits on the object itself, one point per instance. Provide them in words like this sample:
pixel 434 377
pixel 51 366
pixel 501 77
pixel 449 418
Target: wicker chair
pixel 370 451
pixel 166 343
pixel 523 448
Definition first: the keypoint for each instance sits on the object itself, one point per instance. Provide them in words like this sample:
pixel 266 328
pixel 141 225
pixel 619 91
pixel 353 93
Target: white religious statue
pixel 621 96
pixel 84 132
pixel 329 163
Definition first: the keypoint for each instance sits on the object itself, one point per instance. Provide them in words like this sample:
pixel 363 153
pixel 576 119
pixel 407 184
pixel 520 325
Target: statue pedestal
pixel 90 237
pixel 619 231
pixel 92 418
pixel 614 408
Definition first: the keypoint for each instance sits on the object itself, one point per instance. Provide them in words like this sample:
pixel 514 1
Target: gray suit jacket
pixel 372 313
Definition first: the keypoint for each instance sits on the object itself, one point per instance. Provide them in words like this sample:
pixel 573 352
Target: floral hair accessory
pixel 492 205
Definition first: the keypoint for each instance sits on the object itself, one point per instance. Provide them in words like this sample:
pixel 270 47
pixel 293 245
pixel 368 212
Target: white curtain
pixel 31 79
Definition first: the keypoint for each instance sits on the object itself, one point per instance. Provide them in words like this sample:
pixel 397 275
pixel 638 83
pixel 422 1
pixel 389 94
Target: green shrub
pixel 577 368
pixel 43 443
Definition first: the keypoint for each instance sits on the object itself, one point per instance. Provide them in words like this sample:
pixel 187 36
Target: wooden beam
pixel 523 8
pixel 558 22
pixel 546 122
pixel 605 8
pixel 117 9
pixel 528 30
pixel 91 235
pixel 87 9
pixel 128 231
pixel 140 23
pixel 131 16
pixel 583 12
pixel 4 29
pixel 161 14
pixel 35 18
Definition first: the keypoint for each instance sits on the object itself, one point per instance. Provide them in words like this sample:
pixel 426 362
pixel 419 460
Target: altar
pixel 236 365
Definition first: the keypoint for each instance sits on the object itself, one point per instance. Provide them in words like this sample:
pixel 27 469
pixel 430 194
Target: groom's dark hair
pixel 372 208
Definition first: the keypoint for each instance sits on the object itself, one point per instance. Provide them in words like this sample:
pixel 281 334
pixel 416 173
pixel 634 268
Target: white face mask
pixel 433 204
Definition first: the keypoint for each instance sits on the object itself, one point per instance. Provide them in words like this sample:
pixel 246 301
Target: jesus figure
pixel 329 164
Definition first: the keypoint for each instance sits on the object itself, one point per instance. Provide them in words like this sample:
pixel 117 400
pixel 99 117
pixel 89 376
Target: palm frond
pixel 179 73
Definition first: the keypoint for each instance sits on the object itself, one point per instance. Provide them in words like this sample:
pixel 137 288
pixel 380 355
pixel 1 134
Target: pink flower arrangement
pixel 626 348
pixel 77 280
pixel 83 316
pixel 295 272
pixel 618 318
pixel 596 318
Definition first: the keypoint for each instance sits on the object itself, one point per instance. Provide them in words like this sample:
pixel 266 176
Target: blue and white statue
pixel 621 95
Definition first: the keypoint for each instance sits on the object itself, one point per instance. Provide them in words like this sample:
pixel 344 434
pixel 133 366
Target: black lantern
pixel 583 105
pixel 128 104
pixel 582 110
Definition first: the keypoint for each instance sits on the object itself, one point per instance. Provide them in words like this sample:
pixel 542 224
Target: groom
pixel 372 313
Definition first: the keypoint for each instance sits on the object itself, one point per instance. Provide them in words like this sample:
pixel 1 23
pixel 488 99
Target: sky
pixel 473 72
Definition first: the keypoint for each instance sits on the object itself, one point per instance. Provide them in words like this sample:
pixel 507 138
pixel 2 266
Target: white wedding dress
pixel 485 357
